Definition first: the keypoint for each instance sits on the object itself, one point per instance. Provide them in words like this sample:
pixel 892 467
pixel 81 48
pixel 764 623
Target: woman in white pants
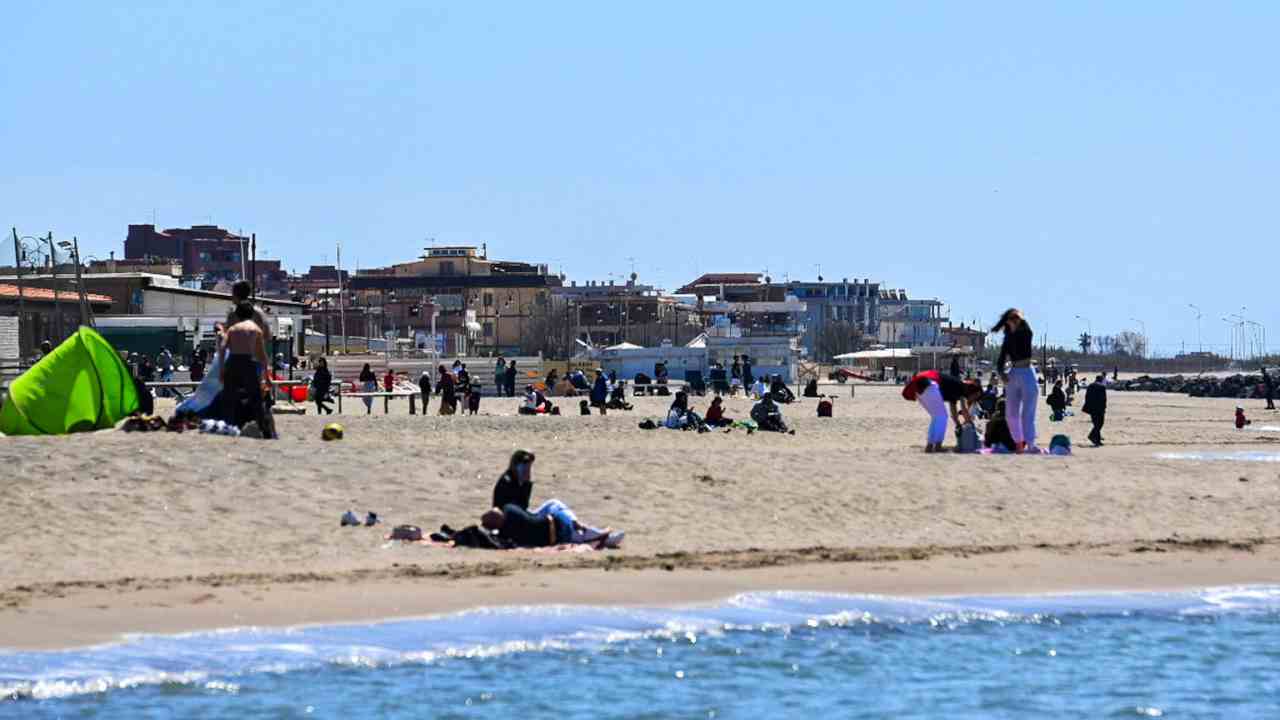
pixel 936 391
pixel 1022 386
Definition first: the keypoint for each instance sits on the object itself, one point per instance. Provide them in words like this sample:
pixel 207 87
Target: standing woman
pixel 320 384
pixel 1021 384
pixel 369 384
pixel 448 391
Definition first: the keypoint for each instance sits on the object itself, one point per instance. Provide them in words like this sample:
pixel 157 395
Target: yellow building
pixel 483 305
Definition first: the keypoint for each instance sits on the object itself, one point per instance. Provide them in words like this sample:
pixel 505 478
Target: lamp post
pixel 21 249
pixel 1232 336
pixel 1199 342
pixel 1088 323
pixel 1144 336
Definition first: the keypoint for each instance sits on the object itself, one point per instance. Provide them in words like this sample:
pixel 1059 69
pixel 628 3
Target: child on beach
pixel 1241 420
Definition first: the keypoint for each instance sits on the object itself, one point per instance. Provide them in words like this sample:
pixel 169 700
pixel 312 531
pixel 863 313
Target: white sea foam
pixel 1222 456
pixel 215 660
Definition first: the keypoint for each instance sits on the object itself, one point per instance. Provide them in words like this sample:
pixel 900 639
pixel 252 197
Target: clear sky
pixel 1108 160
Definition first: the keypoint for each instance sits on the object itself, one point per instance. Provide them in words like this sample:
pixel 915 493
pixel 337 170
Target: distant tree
pixel 1106 344
pixel 1131 343
pixel 837 338
pixel 1085 342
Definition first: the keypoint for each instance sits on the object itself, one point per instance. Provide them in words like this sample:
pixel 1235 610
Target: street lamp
pixel 1144 336
pixel 1089 324
pixel 1199 342
pixel 1232 325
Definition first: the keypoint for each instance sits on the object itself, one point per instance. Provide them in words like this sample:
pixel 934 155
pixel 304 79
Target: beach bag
pixel 1060 445
pixel 967 439
pixel 824 408
pixel 410 533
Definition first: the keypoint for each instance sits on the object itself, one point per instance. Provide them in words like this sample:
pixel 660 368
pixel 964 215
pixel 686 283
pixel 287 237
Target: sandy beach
pixel 113 532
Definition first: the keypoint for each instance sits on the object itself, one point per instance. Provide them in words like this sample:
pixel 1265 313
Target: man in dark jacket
pixel 511 379
pixel 1269 381
pixel 1095 406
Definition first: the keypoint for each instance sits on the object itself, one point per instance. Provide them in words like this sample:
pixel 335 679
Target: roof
pixel 885 354
pixel 223 296
pixel 36 294
pixel 723 279
pixel 449 282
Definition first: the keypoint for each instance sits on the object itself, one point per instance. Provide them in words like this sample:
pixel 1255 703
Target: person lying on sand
pixel 553 523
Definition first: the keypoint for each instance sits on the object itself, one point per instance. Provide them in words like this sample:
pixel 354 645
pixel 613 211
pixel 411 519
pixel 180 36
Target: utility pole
pixel 86 310
pixel 22 300
pixel 342 303
pixel 57 299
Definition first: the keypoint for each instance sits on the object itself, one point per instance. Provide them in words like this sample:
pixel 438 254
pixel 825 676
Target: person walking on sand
pixel 1022 386
pixel 500 375
pixel 368 384
pixel 1095 406
pixel 321 381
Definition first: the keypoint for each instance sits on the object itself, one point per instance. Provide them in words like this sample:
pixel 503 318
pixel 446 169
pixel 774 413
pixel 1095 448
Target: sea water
pixel 1208 654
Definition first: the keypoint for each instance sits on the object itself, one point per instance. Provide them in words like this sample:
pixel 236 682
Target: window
pixel 488 299
pixel 488 329
pixel 446 267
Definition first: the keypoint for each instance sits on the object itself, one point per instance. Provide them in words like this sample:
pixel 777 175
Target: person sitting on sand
pixel 936 391
pixel 515 485
pixel 1241 420
pixel 678 413
pixel 780 392
pixel 563 388
pixel 997 435
pixel 553 523
pixel 246 361
pixel 715 414
pixel 768 416
pixel 535 403
pixel 618 398
pixel 1057 402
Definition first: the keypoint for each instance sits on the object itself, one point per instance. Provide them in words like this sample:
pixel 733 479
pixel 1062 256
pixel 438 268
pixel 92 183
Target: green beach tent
pixel 82 385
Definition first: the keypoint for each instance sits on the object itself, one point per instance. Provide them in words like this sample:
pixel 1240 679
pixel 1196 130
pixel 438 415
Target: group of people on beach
pixel 1012 418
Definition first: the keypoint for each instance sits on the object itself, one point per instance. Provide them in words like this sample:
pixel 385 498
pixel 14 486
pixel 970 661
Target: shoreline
pixel 66 616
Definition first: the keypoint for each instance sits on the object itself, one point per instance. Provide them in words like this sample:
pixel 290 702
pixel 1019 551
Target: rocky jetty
pixel 1235 386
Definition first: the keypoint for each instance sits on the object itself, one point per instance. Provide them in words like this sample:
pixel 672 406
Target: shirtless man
pixel 240 294
pixel 245 359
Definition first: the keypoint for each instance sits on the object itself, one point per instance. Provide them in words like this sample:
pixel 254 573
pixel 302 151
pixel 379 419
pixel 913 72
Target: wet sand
pixel 115 532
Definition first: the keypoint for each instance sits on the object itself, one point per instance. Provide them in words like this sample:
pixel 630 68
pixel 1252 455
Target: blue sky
pixel 1108 160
